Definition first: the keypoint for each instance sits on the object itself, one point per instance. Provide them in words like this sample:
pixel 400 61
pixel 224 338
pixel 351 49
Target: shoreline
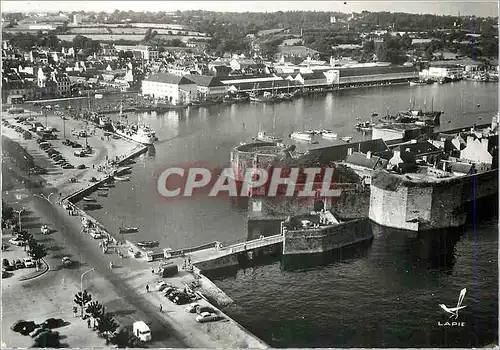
pixel 225 333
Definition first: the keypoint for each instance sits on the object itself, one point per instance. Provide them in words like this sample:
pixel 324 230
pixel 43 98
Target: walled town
pixel 78 86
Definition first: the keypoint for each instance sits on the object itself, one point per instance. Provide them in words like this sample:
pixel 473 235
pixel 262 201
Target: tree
pixel 7 211
pixel 26 237
pixel 107 325
pixel 95 309
pixel 37 251
pixel 82 300
pixel 47 339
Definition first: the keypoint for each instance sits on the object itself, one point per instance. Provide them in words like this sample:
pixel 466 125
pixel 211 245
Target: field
pixel 131 37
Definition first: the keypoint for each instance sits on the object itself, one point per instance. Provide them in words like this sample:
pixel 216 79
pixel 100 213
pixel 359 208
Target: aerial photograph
pixel 249 174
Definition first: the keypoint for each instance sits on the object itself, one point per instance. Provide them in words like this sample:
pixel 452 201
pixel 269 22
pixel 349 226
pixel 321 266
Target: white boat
pixel 262 136
pixel 138 133
pixel 124 178
pixel 128 229
pixel 89 199
pixel 347 138
pixel 302 136
pixel 328 134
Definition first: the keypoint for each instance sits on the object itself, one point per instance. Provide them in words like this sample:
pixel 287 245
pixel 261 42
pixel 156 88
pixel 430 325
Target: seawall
pixel 417 205
pixel 328 238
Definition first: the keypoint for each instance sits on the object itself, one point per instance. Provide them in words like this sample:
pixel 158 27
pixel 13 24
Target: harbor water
pixel 385 295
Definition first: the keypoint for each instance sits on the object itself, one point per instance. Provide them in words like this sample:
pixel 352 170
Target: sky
pixel 451 7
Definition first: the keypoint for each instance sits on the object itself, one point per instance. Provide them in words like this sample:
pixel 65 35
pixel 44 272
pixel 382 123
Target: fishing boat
pixel 138 133
pixel 128 229
pixel 364 126
pixel 302 136
pixel 102 194
pixel 148 244
pixel 417 83
pixel 108 185
pixel 328 134
pixel 120 178
pixel 313 132
pixel 103 189
pixel 347 138
pixel 89 199
pixel 90 206
pixel 263 137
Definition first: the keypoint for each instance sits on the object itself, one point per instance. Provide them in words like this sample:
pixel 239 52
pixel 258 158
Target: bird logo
pixel 454 310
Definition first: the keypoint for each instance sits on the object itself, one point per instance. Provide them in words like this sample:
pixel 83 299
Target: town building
pixel 476 151
pixel 311 79
pixel 364 164
pixel 175 89
pixel 208 87
pixel 452 71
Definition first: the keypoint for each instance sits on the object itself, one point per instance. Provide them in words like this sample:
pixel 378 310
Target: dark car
pixel 172 295
pixel 6 265
pixel 19 264
pixel 201 309
pixel 23 327
pixel 51 323
pixel 67 142
pixel 168 291
pixel 76 145
pixel 68 166
pixel 81 166
pixel 182 299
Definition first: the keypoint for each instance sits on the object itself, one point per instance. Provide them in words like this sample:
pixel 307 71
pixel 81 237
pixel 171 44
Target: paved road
pixel 69 241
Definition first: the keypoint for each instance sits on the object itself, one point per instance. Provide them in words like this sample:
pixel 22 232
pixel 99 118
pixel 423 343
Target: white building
pixel 446 71
pixel 176 89
pixel 476 152
pixel 208 87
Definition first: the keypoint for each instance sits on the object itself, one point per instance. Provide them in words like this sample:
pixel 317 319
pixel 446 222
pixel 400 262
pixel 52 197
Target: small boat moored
pixel 128 229
pixel 302 136
pixel 347 138
pixel 89 199
pixel 121 178
pixel 148 244
pixel 328 134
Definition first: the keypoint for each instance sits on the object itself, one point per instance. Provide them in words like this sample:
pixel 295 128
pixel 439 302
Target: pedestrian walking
pixel 161 308
pixel 88 323
pixel 147 288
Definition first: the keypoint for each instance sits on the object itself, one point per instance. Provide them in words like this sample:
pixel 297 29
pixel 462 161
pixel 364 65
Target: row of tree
pixel 106 325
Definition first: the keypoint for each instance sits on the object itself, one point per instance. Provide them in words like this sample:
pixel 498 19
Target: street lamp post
pixel 19 212
pixel 81 287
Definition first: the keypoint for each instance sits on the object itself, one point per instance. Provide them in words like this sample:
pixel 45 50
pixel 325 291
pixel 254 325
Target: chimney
pixel 349 151
pixel 368 155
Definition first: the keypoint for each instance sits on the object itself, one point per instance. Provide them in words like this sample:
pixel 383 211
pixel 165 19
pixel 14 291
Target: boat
pixel 102 194
pixel 128 229
pixel 364 126
pixel 148 244
pixel 347 138
pixel 313 132
pixel 89 199
pixel 108 185
pixel 417 83
pixel 263 137
pixel 327 134
pixel 92 206
pixel 103 189
pixel 139 133
pixel 266 97
pixel 302 136
pixel 124 178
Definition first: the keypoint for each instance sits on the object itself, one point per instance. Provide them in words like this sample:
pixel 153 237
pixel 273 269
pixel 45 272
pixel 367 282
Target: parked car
pixel 95 235
pixel 37 331
pixel 51 323
pixel 79 153
pixel 66 261
pixel 169 291
pixel 68 166
pixel 45 230
pixel 161 285
pixel 17 241
pixel 182 299
pixel 76 145
pixel 201 309
pixel 173 294
pixel 67 142
pixel 6 265
pixel 28 262
pixel 191 308
pixel 207 317
pixel 19 264
pixel 81 166
pixel 23 327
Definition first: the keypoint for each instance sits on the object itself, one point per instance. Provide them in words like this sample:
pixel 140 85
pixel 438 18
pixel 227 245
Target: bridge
pixel 220 251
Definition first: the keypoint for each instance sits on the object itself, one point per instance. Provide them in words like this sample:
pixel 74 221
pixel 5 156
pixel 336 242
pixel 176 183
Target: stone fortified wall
pixel 422 205
pixel 327 238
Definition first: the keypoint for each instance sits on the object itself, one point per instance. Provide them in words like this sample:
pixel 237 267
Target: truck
pixel 142 331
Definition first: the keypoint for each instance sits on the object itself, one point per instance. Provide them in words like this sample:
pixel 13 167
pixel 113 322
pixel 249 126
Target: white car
pixel 207 317
pixel 28 262
pixel 45 230
pixel 192 308
pixel 95 234
pixel 161 285
pixel 17 241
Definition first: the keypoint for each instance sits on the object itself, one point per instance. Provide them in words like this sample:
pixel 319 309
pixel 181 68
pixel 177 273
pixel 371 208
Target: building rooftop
pixel 205 80
pixel 363 160
pixel 169 79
